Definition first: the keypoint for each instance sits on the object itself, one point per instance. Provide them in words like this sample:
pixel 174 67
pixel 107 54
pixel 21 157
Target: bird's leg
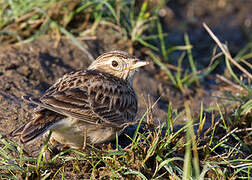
pixel 85 138
pixel 52 141
pixel 56 146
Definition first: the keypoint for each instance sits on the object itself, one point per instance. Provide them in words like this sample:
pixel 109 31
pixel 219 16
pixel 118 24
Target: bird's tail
pixel 44 121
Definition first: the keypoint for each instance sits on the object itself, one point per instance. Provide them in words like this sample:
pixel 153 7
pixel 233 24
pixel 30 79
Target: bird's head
pixel 118 63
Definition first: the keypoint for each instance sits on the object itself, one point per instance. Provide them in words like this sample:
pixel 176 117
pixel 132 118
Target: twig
pixel 246 63
pixel 225 51
pixel 214 56
pixel 241 130
pixel 228 134
pixel 229 82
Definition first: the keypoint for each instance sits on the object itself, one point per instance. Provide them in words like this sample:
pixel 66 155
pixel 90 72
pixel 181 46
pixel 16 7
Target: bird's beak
pixel 136 64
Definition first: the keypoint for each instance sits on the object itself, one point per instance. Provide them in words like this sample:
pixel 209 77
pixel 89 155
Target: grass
pixel 156 152
pixel 222 151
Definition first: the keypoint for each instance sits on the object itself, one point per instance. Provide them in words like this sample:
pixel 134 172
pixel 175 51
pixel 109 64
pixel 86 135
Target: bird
pixel 86 106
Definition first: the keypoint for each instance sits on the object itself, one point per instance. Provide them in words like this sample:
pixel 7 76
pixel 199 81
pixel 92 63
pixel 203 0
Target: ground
pixel 30 68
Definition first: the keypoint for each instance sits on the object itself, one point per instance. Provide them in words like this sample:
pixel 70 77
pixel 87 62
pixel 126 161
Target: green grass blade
pixel 137 130
pixel 136 173
pixel 39 160
pixel 191 61
pixel 231 70
pixel 111 9
pixel 222 117
pixel 161 38
pixel 141 15
pixel 163 67
pixel 246 107
pixel 178 74
pixel 144 43
pixel 175 48
pixel 167 161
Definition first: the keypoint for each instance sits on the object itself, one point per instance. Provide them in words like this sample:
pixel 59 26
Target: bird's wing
pixel 91 97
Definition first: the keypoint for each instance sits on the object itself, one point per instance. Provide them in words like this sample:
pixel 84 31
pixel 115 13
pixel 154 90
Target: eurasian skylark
pixel 87 106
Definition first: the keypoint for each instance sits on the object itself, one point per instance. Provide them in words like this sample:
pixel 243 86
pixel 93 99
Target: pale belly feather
pixel 71 132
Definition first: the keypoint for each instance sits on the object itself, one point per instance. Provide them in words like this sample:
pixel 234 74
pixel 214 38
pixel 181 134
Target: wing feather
pixel 100 98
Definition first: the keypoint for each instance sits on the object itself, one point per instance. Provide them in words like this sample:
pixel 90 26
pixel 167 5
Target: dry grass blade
pixel 246 63
pixel 222 78
pixel 242 130
pixel 225 51
pixel 228 134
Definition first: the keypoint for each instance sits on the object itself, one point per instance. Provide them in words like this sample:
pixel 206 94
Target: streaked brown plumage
pixel 99 101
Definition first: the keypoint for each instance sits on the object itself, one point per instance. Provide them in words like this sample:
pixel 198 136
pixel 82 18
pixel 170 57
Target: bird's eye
pixel 114 63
